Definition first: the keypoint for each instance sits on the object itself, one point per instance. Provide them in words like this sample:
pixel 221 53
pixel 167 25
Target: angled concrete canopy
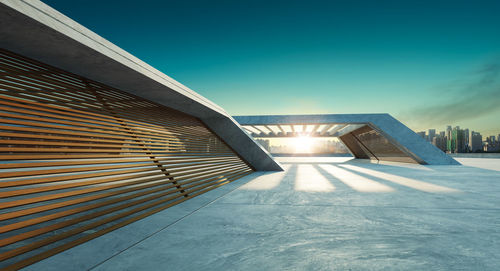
pixel 37 31
pixel 373 136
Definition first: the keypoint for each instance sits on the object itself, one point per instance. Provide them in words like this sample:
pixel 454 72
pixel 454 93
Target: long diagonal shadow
pixel 341 185
pixel 386 165
pixel 476 165
pixel 404 181
pixel 352 180
pixel 479 165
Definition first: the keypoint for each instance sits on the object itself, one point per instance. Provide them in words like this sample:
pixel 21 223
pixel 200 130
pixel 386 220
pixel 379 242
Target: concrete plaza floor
pixel 319 214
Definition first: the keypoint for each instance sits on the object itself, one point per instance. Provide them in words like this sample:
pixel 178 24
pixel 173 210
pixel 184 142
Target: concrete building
pixel 109 164
pixel 457 142
pixel 467 140
pixel 476 141
pixel 440 142
pixel 431 134
pixel 491 144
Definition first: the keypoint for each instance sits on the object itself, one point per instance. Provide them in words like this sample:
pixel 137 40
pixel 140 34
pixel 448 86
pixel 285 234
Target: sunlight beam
pixel 267 181
pixel 309 179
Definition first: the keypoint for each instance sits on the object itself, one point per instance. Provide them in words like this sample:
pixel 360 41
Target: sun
pixel 303 144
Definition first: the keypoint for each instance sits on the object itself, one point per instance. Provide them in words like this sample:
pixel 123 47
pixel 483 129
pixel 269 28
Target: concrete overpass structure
pixel 367 136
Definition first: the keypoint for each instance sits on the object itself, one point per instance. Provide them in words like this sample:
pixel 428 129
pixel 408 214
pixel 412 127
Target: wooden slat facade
pixel 79 159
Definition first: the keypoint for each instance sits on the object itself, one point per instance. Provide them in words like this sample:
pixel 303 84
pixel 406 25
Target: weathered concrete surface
pixel 37 31
pixel 388 126
pixel 320 214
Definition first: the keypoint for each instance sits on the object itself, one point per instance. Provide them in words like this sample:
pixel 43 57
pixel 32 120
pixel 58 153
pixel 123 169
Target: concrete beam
pixel 281 129
pixel 326 128
pixel 260 130
pixel 248 130
pixel 337 128
pixel 315 128
pixel 271 132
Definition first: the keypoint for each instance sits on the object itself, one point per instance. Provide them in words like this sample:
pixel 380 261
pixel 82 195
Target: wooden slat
pixel 101 232
pixel 174 160
pixel 142 184
pixel 95 156
pixel 79 159
pixel 92 136
pixel 150 203
pixel 128 146
pixel 172 172
pixel 32 200
pixel 70 125
pixel 82 114
pixel 79 121
pixel 26 235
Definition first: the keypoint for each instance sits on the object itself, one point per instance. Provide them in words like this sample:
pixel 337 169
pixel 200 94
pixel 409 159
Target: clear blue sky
pixel 428 63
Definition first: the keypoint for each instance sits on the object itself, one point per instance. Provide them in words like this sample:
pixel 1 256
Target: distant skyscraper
pixel 457 144
pixel 440 141
pixel 476 142
pixel 448 139
pixel 467 140
pixel 431 134
pixel 422 134
pixel 490 145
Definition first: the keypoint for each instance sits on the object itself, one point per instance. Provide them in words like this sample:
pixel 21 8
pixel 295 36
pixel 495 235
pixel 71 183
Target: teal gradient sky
pixel 428 63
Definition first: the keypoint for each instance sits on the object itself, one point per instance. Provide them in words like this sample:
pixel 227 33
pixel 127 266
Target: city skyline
pixel 451 125
pixel 427 69
pixel 302 145
pixel 461 140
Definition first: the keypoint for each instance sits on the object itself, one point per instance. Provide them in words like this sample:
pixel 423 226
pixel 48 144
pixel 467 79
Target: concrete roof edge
pixel 61 23
pixel 35 30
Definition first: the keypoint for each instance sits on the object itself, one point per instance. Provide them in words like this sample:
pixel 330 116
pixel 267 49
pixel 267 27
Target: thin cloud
pixel 478 96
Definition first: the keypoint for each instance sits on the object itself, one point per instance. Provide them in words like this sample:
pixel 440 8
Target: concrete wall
pixel 37 31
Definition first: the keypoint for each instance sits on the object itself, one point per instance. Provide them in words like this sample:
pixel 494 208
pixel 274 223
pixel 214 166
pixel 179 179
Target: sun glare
pixel 303 144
